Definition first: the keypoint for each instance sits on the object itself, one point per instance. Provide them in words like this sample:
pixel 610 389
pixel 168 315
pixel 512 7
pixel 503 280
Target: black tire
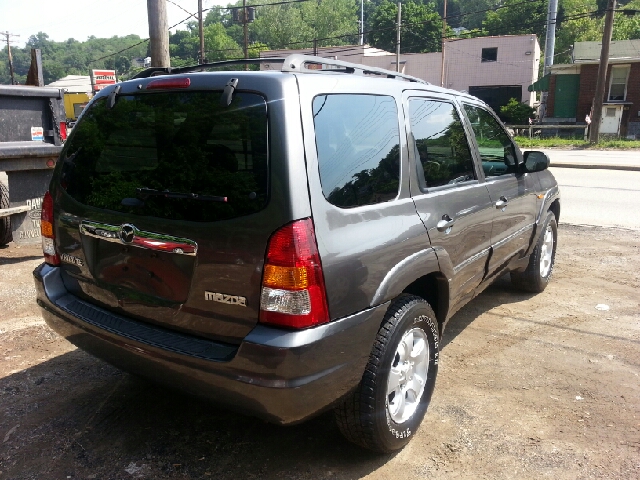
pixel 532 280
pixel 5 222
pixel 364 417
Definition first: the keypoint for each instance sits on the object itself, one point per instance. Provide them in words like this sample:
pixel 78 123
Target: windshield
pixel 183 143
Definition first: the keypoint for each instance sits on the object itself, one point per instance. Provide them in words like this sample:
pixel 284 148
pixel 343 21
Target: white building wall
pixel 518 60
pixel 517 63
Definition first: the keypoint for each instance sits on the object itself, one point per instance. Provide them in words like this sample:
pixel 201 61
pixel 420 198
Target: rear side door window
pixel 442 152
pixel 497 151
pixel 358 144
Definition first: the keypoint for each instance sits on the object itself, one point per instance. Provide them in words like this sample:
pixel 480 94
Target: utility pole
pixel 248 15
pixel 444 33
pixel 549 48
pixel 361 22
pixel 201 32
pixel 158 33
pixel 550 44
pixel 594 131
pixel 245 24
pixel 8 35
pixel 398 37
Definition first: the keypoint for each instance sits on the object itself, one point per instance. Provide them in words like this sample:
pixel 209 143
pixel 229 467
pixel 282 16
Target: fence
pixel 543 130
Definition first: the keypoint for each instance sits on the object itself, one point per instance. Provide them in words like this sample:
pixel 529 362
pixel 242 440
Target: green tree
pixel 73 57
pixel 331 18
pixel 468 8
pixel 218 45
pixel 517 18
pixel 282 26
pixel 421 28
pixel 579 23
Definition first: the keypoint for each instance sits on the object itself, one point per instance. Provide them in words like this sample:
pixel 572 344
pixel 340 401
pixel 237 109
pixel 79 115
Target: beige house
pixel 494 69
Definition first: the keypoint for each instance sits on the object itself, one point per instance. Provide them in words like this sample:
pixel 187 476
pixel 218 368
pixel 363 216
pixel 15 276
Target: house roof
pixel 619 51
pixel 73 83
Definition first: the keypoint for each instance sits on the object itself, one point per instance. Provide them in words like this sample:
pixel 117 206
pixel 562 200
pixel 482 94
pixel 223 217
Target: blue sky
pixel 80 19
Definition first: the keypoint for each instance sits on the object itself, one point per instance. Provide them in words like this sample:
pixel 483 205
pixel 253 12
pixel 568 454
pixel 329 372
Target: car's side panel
pixel 513 194
pixel 405 273
pixel 467 242
pixel 462 249
pixel 512 224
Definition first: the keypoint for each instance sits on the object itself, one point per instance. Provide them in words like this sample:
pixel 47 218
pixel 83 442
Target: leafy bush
pixel 516 113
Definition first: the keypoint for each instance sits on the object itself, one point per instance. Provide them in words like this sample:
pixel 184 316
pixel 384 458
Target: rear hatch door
pixel 163 207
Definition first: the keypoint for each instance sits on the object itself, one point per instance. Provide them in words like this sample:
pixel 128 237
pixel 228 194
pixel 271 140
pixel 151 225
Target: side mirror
pixel 535 161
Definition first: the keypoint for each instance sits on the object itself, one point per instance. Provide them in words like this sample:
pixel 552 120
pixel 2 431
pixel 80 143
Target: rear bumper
pixel 280 376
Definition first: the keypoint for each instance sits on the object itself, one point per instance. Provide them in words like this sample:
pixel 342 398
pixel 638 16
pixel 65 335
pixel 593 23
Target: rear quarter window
pixel 358 145
pixel 184 143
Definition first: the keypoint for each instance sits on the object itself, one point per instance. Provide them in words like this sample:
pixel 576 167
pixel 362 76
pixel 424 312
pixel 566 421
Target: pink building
pixel 494 69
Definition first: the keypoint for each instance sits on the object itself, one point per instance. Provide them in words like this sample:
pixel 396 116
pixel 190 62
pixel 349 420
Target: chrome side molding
pixel 128 234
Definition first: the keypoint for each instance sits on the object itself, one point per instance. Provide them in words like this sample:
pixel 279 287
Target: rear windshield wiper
pixel 149 192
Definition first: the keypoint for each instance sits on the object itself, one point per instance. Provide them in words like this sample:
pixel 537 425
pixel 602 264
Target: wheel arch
pixel 434 288
pixel 555 208
pixel 418 274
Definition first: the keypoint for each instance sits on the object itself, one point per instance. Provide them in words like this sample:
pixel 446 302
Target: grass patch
pixel 526 142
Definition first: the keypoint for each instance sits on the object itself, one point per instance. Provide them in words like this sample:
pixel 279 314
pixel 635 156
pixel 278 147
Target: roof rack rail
pixel 294 63
pixel 297 63
pixel 153 71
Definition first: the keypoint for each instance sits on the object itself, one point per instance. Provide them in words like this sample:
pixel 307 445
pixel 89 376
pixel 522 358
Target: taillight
pixel 46 230
pixel 63 130
pixel 293 291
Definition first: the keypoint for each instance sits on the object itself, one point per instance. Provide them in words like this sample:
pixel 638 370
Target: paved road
pixel 599 197
pixel 616 159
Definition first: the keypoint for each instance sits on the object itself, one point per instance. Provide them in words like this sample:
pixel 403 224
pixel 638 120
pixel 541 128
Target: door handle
pixel 445 224
pixel 502 203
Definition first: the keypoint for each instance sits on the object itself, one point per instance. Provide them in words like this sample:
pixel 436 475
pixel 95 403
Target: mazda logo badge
pixel 127 232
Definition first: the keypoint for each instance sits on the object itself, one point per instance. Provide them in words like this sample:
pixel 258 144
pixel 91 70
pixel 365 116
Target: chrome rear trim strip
pixel 128 234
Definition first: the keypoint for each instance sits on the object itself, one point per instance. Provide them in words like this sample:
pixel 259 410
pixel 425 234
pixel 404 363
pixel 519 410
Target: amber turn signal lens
pixel 289 278
pixel 46 229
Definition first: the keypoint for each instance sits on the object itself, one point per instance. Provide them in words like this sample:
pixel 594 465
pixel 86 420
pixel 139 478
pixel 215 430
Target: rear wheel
pixel 538 273
pixel 388 406
pixel 5 222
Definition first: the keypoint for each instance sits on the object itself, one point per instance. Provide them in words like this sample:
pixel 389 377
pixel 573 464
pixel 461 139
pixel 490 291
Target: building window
pixel 489 54
pixel 618 87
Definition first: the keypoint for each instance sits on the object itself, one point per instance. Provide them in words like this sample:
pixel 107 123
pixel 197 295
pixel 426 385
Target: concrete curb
pixel 635 168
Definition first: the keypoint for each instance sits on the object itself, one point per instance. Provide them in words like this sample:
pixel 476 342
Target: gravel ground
pixel 529 386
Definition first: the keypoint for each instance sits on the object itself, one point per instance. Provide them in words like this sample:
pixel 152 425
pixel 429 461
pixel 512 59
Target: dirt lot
pixel 528 387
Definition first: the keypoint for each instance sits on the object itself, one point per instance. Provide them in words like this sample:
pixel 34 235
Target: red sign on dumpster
pixel 101 79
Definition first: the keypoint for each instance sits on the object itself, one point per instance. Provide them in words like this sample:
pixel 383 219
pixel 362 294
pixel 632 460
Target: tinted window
pixel 358 139
pixel 497 151
pixel 183 142
pixel 440 143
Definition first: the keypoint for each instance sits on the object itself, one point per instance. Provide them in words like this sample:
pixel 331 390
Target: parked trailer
pixel 32 129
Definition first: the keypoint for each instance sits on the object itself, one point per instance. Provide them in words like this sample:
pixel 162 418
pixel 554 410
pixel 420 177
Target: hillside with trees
pixel 330 23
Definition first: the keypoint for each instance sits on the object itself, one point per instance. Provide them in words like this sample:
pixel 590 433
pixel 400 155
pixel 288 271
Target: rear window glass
pixel 358 143
pixel 179 156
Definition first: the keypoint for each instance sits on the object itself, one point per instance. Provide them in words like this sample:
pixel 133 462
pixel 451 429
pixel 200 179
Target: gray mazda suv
pixel 288 241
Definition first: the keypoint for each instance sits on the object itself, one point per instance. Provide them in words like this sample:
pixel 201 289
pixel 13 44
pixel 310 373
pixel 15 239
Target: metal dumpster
pixel 32 129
